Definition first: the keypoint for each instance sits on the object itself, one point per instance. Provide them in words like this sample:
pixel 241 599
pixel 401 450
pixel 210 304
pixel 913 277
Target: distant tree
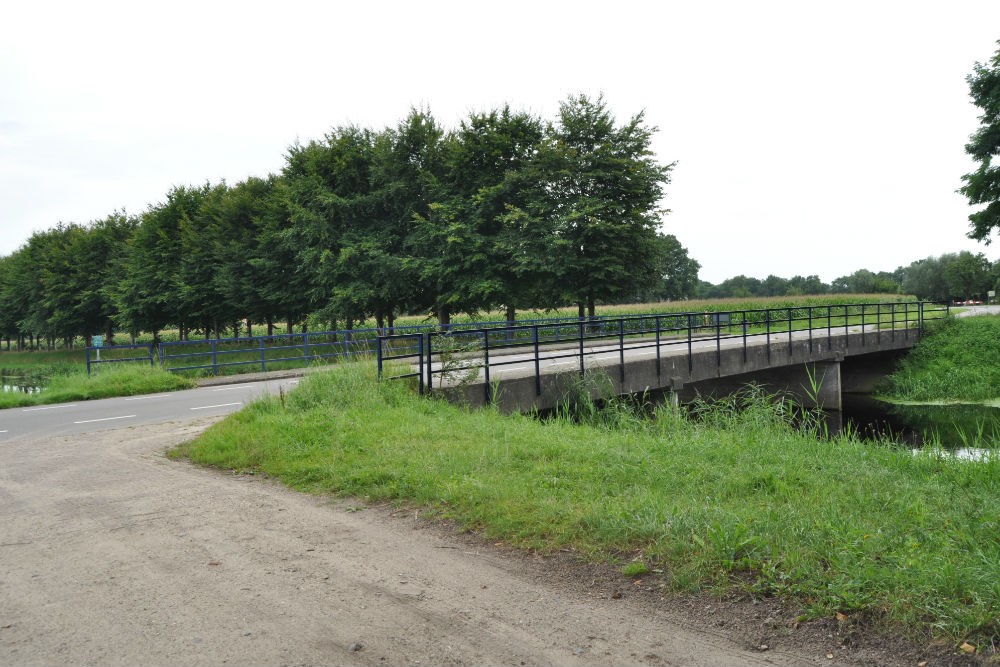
pixel 969 275
pixel 807 285
pixel 925 278
pixel 982 187
pixel 678 274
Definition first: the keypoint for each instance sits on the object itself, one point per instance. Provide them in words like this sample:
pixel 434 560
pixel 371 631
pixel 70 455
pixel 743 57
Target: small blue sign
pixel 98 341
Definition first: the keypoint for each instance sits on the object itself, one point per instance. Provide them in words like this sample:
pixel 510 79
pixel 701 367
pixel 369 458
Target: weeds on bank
pixel 103 383
pixel 957 360
pixel 735 497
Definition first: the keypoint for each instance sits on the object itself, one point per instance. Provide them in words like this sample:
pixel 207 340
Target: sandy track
pixel 112 554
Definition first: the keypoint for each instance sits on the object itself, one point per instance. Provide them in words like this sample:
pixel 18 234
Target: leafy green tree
pixel 152 293
pixel 969 275
pixel 602 192
pixel 679 274
pixel 925 278
pixel 982 187
pixel 479 244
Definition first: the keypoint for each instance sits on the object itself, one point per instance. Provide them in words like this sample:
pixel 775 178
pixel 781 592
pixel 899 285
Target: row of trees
pixel 950 276
pixel 506 211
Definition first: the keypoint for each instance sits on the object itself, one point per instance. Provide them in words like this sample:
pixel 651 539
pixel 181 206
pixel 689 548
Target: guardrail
pixel 150 357
pixel 468 350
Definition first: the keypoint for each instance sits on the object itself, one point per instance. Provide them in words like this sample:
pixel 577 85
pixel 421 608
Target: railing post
pixel 878 323
pixel 538 375
pixel 743 314
pixel 690 353
pixel 847 328
pixel 920 320
pixel 829 326
pixel 88 361
pixel 657 346
pixel 347 345
pixel 306 348
pixel 810 309
pixel 621 348
pixel 718 340
pixel 263 363
pixel 420 366
pixel 767 319
pixel 486 364
pixel 151 364
pixel 430 361
pixel 892 326
pixel 378 359
pixel 862 325
pixel 581 349
pixel 789 332
pixel 215 359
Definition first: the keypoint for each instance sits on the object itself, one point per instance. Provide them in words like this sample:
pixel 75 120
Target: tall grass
pixel 958 360
pixel 112 381
pixel 737 498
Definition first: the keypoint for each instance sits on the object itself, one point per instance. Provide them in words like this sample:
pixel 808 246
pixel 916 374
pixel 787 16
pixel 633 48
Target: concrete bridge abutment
pixel 814 372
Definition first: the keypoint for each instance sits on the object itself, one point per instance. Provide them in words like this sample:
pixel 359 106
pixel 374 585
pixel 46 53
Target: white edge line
pixel 140 398
pixel 49 407
pixel 235 386
pixel 3 431
pixel 221 405
pixel 104 419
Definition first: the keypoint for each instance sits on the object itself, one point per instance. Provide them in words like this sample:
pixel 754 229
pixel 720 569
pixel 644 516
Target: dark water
pixel 951 426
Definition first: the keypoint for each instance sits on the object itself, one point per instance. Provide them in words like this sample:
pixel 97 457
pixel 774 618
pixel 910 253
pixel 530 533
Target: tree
pixel 969 275
pixel 602 192
pixel 982 187
pixel 678 274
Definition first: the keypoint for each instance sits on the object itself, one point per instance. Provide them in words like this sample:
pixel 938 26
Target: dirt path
pixel 112 554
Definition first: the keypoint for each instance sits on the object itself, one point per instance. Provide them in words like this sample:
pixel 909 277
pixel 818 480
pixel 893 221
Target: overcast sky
pixel 809 137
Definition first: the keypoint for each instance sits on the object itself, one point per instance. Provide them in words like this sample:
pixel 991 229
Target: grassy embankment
pixel 735 499
pixel 958 361
pixel 106 383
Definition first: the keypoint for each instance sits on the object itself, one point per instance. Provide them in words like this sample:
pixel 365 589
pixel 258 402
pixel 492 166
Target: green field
pixel 736 499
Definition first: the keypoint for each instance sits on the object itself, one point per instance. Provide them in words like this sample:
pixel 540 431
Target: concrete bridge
pixel 814 353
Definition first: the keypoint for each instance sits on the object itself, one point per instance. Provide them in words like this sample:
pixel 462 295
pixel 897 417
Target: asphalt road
pixel 86 416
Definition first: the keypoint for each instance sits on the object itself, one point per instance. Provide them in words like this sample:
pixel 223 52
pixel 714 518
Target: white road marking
pixel 50 407
pixel 142 398
pixel 236 386
pixel 220 405
pixel 3 431
pixel 104 419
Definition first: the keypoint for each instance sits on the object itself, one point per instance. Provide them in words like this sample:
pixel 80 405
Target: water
pixel 19 384
pixel 955 427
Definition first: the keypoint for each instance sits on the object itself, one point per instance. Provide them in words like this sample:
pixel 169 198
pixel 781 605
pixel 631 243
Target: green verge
pixel 106 383
pixel 735 498
pixel 958 360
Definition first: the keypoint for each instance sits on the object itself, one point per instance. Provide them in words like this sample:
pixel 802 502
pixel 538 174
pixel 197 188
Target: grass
pixel 959 360
pixel 735 499
pixel 119 380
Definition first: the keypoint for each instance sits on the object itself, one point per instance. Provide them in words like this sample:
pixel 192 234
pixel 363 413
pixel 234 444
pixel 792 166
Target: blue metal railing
pixel 97 361
pixel 468 350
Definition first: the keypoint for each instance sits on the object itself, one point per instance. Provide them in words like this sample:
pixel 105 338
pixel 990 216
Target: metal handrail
pixel 719 325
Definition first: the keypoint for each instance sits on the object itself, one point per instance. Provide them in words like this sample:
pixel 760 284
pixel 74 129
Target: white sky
pixel 810 137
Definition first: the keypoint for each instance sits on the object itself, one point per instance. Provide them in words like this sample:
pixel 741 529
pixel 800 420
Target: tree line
pixel 951 276
pixel 506 211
